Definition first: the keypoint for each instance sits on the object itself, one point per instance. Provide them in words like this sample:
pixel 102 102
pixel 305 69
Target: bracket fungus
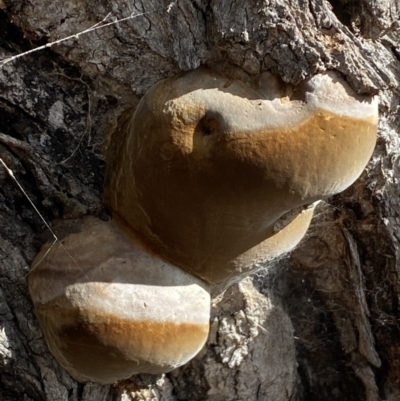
pixel 207 180
pixel 116 309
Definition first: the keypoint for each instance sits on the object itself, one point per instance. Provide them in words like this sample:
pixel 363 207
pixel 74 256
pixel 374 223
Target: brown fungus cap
pixel 206 165
pixel 109 309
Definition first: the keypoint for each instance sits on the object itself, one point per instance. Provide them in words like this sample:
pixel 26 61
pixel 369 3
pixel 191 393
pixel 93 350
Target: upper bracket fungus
pixel 206 165
pixel 207 180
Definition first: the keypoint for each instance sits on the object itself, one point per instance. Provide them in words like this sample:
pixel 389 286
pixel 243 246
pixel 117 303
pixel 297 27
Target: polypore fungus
pixel 207 165
pixel 113 309
pixel 207 180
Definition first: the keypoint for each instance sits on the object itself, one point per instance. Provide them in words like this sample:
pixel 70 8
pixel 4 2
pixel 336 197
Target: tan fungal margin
pixel 207 180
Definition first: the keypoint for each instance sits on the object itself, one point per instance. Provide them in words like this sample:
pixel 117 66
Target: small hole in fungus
pixel 207 125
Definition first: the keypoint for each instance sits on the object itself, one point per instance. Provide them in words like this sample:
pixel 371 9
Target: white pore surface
pixel 178 304
pixel 246 109
pixel 333 94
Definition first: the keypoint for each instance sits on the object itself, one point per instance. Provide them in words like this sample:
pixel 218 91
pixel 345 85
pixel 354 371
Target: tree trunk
pixel 318 324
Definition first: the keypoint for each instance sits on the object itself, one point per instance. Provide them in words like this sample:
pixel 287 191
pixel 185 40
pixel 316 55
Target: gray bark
pixel 319 324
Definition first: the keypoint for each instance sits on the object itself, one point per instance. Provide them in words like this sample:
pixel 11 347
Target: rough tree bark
pixel 319 324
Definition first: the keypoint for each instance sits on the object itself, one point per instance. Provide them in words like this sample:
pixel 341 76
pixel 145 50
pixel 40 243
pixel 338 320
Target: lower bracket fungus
pixel 112 309
pixel 208 179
